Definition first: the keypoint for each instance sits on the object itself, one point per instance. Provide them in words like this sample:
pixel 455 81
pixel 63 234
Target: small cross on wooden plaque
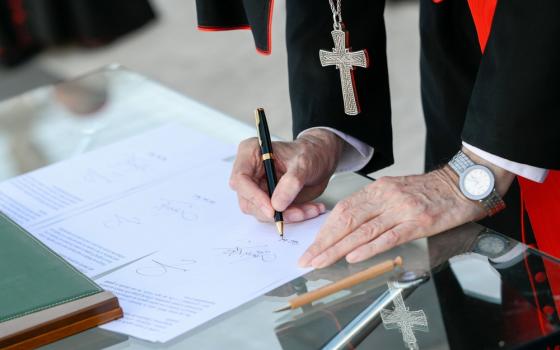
pixel 345 61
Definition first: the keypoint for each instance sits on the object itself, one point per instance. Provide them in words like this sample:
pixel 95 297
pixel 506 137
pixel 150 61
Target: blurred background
pixel 223 70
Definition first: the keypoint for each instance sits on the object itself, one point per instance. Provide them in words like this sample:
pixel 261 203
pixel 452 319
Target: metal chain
pixel 336 14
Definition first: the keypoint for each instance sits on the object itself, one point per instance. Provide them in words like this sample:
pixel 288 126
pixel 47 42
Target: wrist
pixel 326 143
pixel 503 178
pixel 475 211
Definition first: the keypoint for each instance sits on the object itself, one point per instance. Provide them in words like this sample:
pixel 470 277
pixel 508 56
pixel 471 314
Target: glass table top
pixel 484 291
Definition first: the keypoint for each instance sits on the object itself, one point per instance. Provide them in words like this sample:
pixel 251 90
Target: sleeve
pixel 527 171
pixel 355 154
pixel 221 14
pixel 514 111
pixel 315 91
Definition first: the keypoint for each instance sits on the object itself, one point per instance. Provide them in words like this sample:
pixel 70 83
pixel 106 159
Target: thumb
pixel 288 188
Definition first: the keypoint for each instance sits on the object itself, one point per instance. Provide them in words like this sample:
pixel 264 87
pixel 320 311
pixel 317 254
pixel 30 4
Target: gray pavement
pixel 222 70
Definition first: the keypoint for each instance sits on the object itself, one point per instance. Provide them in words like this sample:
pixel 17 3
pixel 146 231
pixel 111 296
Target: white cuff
pixel 355 154
pixel 527 171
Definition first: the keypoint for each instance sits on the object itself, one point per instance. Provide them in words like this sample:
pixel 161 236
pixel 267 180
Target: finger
pixel 248 156
pixel 248 189
pixel 287 189
pixel 387 240
pixel 249 208
pixel 362 235
pixel 347 216
pixel 302 212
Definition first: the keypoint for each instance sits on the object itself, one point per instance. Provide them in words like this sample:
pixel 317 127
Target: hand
pixel 395 210
pixel 303 168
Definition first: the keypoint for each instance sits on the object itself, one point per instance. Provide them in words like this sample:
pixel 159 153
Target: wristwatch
pixel 477 183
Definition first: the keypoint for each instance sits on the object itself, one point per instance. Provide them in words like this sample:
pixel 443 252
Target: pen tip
pixel 283 308
pixel 280 227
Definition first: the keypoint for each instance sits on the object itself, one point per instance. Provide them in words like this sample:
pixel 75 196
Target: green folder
pixel 42 297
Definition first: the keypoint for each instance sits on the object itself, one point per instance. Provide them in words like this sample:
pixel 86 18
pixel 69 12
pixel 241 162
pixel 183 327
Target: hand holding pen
pixel 317 150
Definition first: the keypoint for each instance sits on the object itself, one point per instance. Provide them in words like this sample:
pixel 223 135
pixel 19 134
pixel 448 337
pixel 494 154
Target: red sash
pixel 541 201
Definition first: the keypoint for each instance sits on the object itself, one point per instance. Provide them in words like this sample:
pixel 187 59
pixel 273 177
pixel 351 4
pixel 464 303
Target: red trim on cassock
pixel 541 201
pixel 220 29
pixel 483 14
pixel 245 27
pixel 269 29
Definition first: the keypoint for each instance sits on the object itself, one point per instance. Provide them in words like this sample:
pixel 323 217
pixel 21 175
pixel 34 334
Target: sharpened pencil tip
pixel 288 307
pixel 280 227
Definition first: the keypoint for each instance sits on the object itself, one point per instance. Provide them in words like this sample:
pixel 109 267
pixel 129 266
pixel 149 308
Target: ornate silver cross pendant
pixel 405 320
pixel 345 61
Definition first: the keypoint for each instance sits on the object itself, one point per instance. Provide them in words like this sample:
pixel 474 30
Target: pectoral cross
pixel 345 61
pixel 406 321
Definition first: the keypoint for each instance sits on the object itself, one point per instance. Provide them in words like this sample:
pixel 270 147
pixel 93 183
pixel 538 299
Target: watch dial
pixel 477 182
pixel 491 246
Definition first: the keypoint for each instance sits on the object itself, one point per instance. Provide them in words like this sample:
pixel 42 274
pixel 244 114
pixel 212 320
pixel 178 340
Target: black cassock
pixel 505 101
pixel 27 26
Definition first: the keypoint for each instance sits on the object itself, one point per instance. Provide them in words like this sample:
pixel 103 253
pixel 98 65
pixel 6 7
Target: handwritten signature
pixel 120 220
pixel 254 252
pixel 291 242
pixel 130 164
pixel 183 210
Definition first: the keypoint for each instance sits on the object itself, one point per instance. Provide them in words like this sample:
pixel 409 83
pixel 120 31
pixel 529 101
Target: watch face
pixel 477 182
pixel 491 245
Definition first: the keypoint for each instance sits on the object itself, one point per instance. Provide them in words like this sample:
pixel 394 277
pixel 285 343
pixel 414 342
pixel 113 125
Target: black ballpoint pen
pixel 268 163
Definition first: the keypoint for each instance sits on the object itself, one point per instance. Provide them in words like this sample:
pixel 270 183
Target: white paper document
pixel 86 208
pixel 158 209
pixel 180 288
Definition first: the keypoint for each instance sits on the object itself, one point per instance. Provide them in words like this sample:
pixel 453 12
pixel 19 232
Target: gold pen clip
pixel 257 122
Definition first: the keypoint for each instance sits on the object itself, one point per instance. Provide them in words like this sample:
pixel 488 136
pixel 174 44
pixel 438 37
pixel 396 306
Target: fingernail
pixel 322 208
pixel 304 260
pixel 319 262
pixel 352 257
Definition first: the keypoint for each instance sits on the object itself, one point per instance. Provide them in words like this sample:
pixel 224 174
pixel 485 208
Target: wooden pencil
pixel 345 283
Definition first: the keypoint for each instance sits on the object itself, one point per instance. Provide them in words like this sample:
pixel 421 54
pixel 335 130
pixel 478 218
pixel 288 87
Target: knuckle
pixel 392 238
pixel 365 232
pixel 316 248
pixel 244 206
pixel 343 206
pixel 331 254
pixel 253 198
pixel 372 249
pixel 303 162
pixel 346 220
pixel 371 230
pixel 233 183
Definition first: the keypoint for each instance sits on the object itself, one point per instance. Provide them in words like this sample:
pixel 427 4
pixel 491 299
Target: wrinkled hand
pixel 392 211
pixel 303 168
